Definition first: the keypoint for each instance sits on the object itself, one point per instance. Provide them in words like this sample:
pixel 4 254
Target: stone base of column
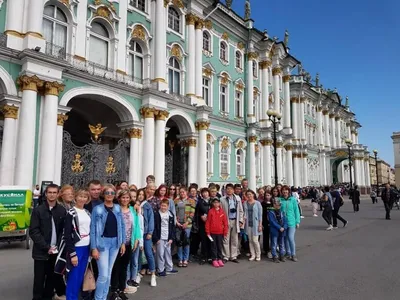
pixel 287 130
pixel 251 119
pixel 15 40
pixel 33 41
pixel 363 190
pixel 196 100
pixel 160 84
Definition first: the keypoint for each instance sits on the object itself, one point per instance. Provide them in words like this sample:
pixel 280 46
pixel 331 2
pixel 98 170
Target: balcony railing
pixel 3 40
pixel 92 68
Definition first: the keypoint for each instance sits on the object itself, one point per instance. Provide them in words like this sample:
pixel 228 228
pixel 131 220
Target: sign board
pixel 15 208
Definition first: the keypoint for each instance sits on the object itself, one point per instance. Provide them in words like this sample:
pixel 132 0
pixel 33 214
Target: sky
pixel 353 45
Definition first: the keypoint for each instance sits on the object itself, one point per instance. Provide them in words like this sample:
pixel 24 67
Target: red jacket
pixel 217 222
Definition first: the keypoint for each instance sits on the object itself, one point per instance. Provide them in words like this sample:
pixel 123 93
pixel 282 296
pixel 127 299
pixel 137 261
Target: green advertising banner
pixel 15 206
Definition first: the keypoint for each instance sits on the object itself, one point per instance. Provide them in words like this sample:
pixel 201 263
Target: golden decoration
pixel 166 2
pixel 208 24
pixel 161 115
pixel 272 52
pixel 138 32
pixel 265 64
pixel 176 51
pixel 96 131
pixel 171 145
pixel 255 92
pixel 191 143
pixel 209 138
pixel 288 147
pixel 331 116
pixel 97 2
pixel 266 142
pixel 224 176
pixel 276 71
pixel 225 36
pixel 270 98
pixel 303 99
pixel 147 112
pixel 178 3
pixel 252 139
pixel 240 145
pixel 341 153
pixel 103 12
pixel 77 166
pixel 240 86
pixel 256 148
pixel 286 78
pixel 190 19
pixel 224 79
pixel 319 108
pixel 134 133
pixel 324 112
pixel 66 2
pixel 240 45
pixel 61 118
pixel 279 144
pixel 53 88
pixel 110 166
pixel 199 24
pixel 112 7
pixel 207 72
pixel 295 99
pixel 252 55
pixel 225 143
pixel 10 111
pixel 202 125
pixel 337 118
pixel 30 83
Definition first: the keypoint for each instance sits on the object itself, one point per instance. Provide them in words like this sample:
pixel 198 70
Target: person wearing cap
pixel 278 227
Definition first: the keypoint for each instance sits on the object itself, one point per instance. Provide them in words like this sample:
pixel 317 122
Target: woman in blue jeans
pixel 107 236
pixel 290 209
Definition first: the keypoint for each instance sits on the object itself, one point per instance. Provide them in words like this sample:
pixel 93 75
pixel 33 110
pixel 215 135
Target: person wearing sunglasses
pixel 107 237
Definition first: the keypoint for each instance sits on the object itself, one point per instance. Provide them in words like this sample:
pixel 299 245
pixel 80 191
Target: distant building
pixel 396 151
pixel 386 174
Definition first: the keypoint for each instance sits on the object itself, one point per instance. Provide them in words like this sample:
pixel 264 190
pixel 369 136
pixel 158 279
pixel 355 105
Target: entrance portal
pixel 98 151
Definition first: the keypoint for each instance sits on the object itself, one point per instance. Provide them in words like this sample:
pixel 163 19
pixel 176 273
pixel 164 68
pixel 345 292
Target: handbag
pixel 89 283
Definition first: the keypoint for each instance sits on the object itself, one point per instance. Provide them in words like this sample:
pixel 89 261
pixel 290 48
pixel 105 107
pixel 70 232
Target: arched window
pixel 239 162
pixel 174 76
pixel 174 19
pixel 255 69
pixel 209 159
pixel 55 28
pixel 206 41
pixel 223 51
pixel 139 4
pixel 224 160
pixel 135 61
pixel 238 61
pixel 99 44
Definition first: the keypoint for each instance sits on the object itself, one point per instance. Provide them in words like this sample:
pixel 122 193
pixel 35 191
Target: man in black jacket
pixel 46 228
pixel 388 197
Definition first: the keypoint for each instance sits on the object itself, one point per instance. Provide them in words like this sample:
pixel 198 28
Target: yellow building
pixel 386 174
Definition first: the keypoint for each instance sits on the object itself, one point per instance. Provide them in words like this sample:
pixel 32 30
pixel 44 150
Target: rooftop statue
pixel 247 10
pixel 229 3
pixel 286 39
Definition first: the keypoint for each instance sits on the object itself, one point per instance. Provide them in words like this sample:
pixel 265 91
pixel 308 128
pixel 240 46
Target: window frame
pixel 239 102
pixel 208 88
pixel 226 152
pixel 98 36
pixel 239 59
pixel 179 71
pixel 136 54
pixel 206 33
pixel 226 100
pixel 225 60
pixel 179 19
pixel 53 19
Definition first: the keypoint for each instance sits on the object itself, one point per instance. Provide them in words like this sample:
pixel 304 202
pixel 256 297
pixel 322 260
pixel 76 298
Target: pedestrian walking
pixel 337 203
pixel 374 197
pixel 355 199
pixel 388 197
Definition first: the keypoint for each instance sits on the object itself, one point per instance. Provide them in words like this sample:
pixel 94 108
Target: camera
pixel 232 210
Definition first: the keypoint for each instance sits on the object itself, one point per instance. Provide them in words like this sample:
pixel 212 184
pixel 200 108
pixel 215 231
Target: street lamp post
pixel 349 143
pixel 376 170
pixel 275 118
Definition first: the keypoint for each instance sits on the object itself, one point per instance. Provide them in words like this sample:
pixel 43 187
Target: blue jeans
pixel 183 252
pixel 135 264
pixel 148 252
pixel 75 276
pixel 277 240
pixel 290 244
pixel 105 265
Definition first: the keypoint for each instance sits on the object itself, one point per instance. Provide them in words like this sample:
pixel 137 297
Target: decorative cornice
pixel 286 78
pixel 276 71
pixel 10 111
pixel 202 125
pixel 53 88
pixel 161 115
pixel 30 83
pixel 61 118
pixel 252 139
pixel 252 55
pixel 147 112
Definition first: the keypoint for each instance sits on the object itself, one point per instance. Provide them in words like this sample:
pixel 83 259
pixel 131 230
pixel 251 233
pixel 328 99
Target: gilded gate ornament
pixel 77 166
pixel 110 166
pixel 96 131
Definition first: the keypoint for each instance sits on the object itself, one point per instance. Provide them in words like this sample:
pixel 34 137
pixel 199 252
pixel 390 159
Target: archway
pixel 94 147
pixel 340 166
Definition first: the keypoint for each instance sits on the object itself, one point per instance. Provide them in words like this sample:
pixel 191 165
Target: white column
pixel 289 165
pixel 61 118
pixel 286 97
pixel 48 140
pixel 191 60
pixel 14 17
pixel 279 159
pixel 353 137
pixel 295 116
pixel 159 151
pixel 252 162
pixel 26 130
pixel 338 132
pixel 135 135
pixel 276 73
pixel 348 131
pixel 362 172
pixel 367 172
pixel 160 43
pixel 266 147
pixel 264 65
pixel 250 86
pixel 148 141
pixel 10 113
pixel 199 58
pixel 302 127
pixel 322 166
pixel 356 137
pixel 305 170
pixel 202 127
pixel 320 137
pixel 296 170
pixel 326 126
pixel 192 143
pixel 333 130
pixel 142 178
pixel 81 20
pixel 35 17
pixel 122 24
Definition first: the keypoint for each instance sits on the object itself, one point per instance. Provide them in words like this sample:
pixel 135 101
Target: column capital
pixel 265 64
pixel 331 115
pixel 303 99
pixel 134 133
pixel 191 142
pixel 190 19
pixel 276 71
pixel 161 114
pixel 29 83
pixel 53 88
pixel 202 125
pixel 286 78
pixel 325 112
pixel 252 139
pixel 295 99
pixel 10 111
pixel 288 147
pixel 252 55
pixel 199 24
pixel 147 112
pixel 337 118
pixel 61 118
pixel 319 108
pixel 266 142
pixel 279 144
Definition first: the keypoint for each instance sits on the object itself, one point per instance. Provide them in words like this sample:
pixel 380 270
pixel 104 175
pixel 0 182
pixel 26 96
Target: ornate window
pixel 240 162
pixel 174 19
pixel 99 44
pixel 206 90
pixel 238 104
pixel 55 28
pixel 223 98
pixel 224 160
pixel 255 69
pixel 135 61
pixel 223 51
pixel 224 156
pixel 238 60
pixel 139 4
pixel 174 76
pixel 206 41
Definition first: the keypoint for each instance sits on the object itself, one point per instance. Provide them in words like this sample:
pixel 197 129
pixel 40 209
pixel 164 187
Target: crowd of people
pixel 123 235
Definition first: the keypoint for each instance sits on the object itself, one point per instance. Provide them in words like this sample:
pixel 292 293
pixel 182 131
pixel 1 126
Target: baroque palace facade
pixel 120 89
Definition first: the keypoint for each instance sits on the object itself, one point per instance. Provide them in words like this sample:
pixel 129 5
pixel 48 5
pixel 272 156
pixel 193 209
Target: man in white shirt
pixel 36 195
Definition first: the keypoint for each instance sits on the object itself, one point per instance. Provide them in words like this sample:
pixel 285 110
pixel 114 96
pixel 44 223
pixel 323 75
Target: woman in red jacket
pixel 216 228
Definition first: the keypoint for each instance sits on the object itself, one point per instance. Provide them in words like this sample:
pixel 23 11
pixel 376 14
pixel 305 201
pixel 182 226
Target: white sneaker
pixel 315 215
pixel 330 227
pixel 302 217
pixel 252 258
pixel 130 289
pixel 258 258
pixel 153 281
pixel 56 297
pixel 269 255
pixel 139 278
